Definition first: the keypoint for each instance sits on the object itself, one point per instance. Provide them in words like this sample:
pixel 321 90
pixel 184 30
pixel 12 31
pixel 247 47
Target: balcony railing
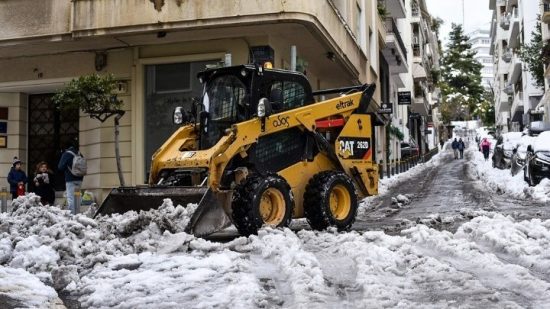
pixel 415 11
pixel 505 21
pixel 509 89
pixel 391 27
pixel 507 55
pixel 416 50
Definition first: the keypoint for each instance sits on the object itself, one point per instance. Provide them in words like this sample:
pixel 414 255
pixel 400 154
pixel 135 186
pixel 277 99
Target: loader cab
pixel 231 95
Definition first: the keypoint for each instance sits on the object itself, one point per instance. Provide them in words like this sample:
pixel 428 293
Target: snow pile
pixel 145 260
pixel 502 181
pixel 24 290
pixel 40 239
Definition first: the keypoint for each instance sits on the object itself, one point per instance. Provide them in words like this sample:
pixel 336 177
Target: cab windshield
pixel 224 100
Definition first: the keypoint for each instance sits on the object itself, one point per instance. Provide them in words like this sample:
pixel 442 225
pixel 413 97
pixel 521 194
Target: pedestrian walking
pixel 485 148
pixel 461 147
pixel 17 179
pixel 73 165
pixel 43 184
pixel 454 145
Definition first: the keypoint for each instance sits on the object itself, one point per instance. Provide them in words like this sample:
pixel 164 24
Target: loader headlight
pixel 178 115
pixel 261 108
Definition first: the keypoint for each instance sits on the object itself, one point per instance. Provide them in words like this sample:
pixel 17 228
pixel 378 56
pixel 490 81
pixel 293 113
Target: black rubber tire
pixel 316 201
pixel 246 202
pixel 531 179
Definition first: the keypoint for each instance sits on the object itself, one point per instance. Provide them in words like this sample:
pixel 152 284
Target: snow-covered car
pixel 503 151
pixel 537 164
pixel 537 127
pixel 519 153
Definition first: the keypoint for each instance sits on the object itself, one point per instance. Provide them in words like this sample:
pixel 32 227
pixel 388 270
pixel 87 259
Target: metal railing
pixel 391 27
pixel 396 166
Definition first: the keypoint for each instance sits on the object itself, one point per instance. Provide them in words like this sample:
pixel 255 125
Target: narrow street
pixel 443 196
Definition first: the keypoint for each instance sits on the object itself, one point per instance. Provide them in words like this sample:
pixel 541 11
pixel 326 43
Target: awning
pixel 418 71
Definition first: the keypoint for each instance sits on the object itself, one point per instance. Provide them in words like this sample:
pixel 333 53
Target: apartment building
pixel 155 48
pixel 423 118
pixel 480 40
pixel 516 95
pixel 543 108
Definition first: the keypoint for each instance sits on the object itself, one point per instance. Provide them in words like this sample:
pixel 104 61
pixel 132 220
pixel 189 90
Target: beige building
pixel 155 49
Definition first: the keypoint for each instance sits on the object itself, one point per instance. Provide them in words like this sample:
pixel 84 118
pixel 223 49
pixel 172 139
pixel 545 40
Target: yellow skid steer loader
pixel 260 151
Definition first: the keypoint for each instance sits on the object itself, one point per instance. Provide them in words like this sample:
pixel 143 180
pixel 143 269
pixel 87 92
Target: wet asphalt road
pixel 443 197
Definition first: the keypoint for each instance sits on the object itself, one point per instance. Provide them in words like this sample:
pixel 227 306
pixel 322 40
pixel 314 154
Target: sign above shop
pixel 385 108
pixel 404 98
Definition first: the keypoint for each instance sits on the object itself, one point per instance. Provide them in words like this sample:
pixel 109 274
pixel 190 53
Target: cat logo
pixel 354 148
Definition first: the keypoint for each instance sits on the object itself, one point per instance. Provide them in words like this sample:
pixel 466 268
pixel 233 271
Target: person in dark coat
pixel 71 181
pixel 454 145
pixel 461 147
pixel 17 178
pixel 43 184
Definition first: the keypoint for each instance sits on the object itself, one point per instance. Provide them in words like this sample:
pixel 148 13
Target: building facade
pixel 516 94
pixel 423 116
pixel 480 41
pixel 155 49
pixel 544 105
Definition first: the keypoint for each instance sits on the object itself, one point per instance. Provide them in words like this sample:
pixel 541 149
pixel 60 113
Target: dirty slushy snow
pixel 144 260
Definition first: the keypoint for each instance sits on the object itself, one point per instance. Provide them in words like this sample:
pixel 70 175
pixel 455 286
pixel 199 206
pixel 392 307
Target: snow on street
pixel 449 233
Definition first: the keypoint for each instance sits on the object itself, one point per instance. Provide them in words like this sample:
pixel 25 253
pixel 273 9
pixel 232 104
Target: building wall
pixel 512 24
pixel 340 42
pixel 481 43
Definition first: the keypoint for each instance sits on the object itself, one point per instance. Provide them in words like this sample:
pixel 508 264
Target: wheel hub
pixel 272 206
pixel 340 202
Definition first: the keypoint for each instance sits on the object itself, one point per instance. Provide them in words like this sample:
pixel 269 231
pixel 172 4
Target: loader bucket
pixel 209 217
pixel 124 199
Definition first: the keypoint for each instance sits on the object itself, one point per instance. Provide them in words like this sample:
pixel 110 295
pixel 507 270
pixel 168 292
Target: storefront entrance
pixel 49 132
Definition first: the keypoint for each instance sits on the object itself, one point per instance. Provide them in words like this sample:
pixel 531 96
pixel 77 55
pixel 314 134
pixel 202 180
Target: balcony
pixel 505 21
pixel 509 89
pixel 510 4
pixel 503 103
pixel 396 8
pixel 517 105
pixel 421 106
pixel 415 14
pixel 395 52
pixel 515 69
pixel 513 33
pixel 546 13
pixel 507 55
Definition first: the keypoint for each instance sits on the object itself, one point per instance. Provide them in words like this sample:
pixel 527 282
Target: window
pixel 172 77
pixel 167 86
pixel 286 95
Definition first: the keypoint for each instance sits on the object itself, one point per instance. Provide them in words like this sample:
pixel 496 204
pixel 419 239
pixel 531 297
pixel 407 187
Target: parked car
pixel 537 127
pixel 504 148
pixel 409 149
pixel 519 153
pixel 537 164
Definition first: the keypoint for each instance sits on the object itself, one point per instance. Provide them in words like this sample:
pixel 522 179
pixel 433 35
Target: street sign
pixel 427 131
pixel 385 108
pixel 404 98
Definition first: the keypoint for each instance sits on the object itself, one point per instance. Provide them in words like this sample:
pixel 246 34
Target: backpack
pixel 79 167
